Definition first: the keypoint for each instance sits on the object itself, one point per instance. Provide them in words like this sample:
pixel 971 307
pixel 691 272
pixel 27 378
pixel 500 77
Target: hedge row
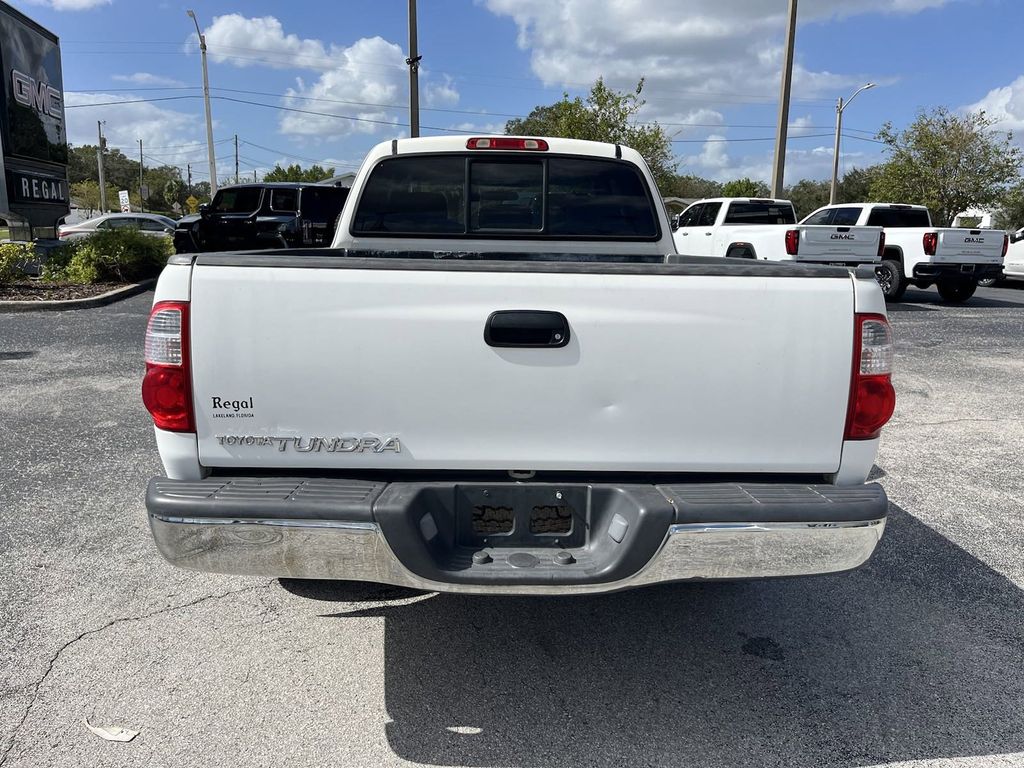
pixel 111 256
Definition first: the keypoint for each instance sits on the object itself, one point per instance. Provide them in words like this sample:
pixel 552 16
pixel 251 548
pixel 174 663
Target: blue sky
pixel 712 69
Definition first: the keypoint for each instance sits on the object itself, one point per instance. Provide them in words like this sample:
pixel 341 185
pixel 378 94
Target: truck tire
pixel 956 291
pixel 890 278
pixel 987 282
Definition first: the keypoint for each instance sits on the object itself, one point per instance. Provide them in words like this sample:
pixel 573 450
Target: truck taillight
pixel 793 242
pixel 872 397
pixel 881 245
pixel 1006 244
pixel 931 243
pixel 166 387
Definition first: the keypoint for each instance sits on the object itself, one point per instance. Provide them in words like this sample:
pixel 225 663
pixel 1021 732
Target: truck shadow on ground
pixel 917 656
pixel 924 300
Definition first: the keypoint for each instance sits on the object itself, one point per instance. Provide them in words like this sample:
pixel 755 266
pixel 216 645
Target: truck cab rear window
pixel 756 212
pixel 492 196
pixel 899 217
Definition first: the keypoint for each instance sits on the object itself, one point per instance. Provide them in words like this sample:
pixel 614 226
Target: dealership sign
pixel 36 188
pixel 37 95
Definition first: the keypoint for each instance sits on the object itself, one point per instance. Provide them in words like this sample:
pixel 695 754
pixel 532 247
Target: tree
pixel 690 186
pixel 1010 214
pixel 157 178
pixel 174 192
pixel 948 163
pixel 808 196
pixel 201 191
pixel 746 188
pixel 86 194
pixel 606 115
pixel 121 172
pixel 296 173
pixel 855 186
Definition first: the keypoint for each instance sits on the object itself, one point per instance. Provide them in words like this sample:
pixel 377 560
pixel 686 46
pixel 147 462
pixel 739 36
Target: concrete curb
pixel 88 303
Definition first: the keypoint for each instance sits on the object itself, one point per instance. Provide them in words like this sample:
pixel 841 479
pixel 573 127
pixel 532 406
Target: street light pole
pixel 840 106
pixel 414 67
pixel 779 168
pixel 206 98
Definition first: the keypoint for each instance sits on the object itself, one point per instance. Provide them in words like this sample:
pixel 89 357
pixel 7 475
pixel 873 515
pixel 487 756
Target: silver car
pixel 147 223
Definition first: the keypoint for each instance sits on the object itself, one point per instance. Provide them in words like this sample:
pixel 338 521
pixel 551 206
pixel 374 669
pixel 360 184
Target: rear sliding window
pixel 237 200
pixel 758 212
pixel 534 197
pixel 898 217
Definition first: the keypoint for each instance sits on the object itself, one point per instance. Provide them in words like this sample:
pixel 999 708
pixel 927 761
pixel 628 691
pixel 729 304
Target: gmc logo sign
pixel 42 97
pixel 974 239
pixel 842 237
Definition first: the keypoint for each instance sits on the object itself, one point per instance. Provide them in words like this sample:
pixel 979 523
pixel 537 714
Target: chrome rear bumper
pixel 322 549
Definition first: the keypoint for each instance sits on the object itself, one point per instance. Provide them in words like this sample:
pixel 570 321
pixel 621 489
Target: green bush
pixel 109 256
pixel 13 257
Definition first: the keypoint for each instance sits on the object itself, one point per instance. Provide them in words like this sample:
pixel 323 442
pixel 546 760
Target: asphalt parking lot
pixel 916 659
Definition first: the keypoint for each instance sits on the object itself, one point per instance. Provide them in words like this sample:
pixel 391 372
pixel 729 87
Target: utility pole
pixel 779 168
pixel 414 79
pixel 840 106
pixel 142 201
pixel 253 175
pixel 99 162
pixel 206 98
pixel 189 166
pixel 236 158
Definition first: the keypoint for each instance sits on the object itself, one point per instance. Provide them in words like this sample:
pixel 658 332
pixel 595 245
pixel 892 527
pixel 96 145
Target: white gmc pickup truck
pixel 918 253
pixel 501 379
pixel 748 228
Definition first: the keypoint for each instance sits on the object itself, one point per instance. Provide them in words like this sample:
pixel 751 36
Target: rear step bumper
pixel 929 270
pixel 513 538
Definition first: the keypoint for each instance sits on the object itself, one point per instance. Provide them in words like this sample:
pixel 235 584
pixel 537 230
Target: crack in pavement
pixel 951 421
pixel 34 687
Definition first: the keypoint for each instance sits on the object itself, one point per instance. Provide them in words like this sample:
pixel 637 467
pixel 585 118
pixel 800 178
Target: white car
pixel 500 379
pixel 147 223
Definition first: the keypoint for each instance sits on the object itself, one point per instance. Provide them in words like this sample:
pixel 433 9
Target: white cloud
pixel 146 78
pixel 1005 105
pixel 366 80
pixel 689 50
pixel 71 5
pixel 347 81
pixel 169 137
pixel 258 41
pixel 442 94
pixel 718 160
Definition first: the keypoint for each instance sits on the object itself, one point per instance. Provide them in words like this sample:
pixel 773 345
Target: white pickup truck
pixel 917 253
pixel 501 379
pixel 748 228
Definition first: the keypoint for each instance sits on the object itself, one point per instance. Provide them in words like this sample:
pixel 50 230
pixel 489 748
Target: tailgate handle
pixel 526 328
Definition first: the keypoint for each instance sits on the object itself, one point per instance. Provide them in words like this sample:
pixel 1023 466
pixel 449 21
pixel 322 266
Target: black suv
pixel 271 215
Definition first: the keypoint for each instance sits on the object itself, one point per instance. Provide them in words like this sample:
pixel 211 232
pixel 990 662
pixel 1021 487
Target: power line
pixel 864 138
pixel 475 112
pixel 731 141
pixel 390 123
pixel 129 101
pixel 300 157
